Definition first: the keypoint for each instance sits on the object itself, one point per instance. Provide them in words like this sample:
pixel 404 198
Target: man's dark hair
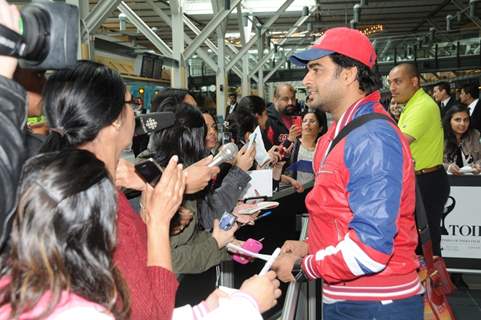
pixel 443 85
pixel 472 88
pixel 411 69
pixel 369 81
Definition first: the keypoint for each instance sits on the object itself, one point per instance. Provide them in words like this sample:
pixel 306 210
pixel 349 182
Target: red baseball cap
pixel 349 42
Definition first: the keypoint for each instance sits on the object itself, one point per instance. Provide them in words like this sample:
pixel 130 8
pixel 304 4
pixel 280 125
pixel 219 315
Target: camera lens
pixel 36 26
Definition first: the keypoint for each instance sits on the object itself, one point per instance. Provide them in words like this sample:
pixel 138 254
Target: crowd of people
pixel 74 247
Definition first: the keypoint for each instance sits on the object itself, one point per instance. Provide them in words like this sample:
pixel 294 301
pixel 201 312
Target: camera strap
pixel 11 43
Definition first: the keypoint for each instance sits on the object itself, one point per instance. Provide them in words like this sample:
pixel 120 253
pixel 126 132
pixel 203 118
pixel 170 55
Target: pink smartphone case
pixel 251 245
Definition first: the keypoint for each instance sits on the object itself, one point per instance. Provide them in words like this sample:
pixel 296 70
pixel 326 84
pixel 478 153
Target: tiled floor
pixel 466 303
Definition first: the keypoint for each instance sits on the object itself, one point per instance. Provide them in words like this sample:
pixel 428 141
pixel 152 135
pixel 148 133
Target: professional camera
pixel 48 36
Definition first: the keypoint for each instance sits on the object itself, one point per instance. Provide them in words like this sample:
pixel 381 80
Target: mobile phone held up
pixel 297 121
pixel 227 221
pixel 149 170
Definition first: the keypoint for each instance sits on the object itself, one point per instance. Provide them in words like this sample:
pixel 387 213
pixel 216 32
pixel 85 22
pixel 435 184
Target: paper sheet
pixel 261 154
pixel 260 184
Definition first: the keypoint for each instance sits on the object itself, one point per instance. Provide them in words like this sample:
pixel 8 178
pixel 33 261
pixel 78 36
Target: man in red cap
pixel 362 234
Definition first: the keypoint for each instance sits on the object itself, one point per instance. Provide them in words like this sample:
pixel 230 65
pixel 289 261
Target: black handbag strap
pixel 423 230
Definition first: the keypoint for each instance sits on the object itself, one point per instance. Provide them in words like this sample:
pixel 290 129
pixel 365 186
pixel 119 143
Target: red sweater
pixel 152 289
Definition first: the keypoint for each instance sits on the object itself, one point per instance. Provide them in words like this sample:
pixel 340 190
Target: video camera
pixel 48 36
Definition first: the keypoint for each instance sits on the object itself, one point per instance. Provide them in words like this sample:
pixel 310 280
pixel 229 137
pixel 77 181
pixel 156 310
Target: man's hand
pixel 283 266
pixel 9 17
pixel 199 175
pixel 125 176
pixel 298 248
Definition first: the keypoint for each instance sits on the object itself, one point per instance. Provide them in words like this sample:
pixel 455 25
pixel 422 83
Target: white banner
pixel 461 224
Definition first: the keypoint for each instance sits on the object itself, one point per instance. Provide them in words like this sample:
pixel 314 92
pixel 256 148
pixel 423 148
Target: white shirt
pixel 444 103
pixel 471 106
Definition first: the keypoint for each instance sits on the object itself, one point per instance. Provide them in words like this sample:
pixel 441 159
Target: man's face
pixel 402 85
pixel 285 102
pixel 438 94
pixel 232 99
pixel 464 97
pixel 323 85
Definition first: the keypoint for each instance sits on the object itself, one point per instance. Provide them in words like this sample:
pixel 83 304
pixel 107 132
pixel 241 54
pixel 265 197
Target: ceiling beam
pixel 145 29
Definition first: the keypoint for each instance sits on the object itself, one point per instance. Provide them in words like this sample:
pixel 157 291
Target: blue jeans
pixel 406 309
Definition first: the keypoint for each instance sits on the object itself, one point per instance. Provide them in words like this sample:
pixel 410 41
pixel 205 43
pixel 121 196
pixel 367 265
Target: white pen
pixel 238 249
pixel 269 262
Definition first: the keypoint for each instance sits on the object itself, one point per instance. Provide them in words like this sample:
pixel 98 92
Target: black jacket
pixel 452 101
pixel 13 112
pixel 476 116
pixel 276 125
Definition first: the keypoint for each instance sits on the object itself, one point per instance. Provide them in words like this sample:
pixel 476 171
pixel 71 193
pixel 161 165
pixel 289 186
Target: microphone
pixel 227 152
pixel 153 122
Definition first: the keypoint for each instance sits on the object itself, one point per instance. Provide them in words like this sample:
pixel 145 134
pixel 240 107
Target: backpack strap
pixel 355 123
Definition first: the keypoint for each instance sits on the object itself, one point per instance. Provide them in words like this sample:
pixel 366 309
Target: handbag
pixel 433 273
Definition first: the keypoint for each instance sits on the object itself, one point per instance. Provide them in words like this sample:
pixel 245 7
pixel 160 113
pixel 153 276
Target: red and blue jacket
pixel 362 233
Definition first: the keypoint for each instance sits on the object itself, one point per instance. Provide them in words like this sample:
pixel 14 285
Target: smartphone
pixel 227 221
pixel 149 170
pixel 252 140
pixel 297 121
pixel 226 137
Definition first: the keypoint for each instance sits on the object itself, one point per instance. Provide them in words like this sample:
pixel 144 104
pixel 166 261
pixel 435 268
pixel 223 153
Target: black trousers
pixel 434 187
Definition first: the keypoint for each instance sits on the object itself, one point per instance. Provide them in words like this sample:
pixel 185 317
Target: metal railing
pixel 302 297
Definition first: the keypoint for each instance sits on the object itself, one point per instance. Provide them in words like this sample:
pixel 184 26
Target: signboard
pixel 461 223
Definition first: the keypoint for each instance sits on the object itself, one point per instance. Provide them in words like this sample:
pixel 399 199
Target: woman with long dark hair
pixel 462 145
pixel 193 250
pixel 59 261
pixel 87 107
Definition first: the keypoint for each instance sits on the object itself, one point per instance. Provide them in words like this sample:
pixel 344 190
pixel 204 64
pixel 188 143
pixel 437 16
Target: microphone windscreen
pixel 153 122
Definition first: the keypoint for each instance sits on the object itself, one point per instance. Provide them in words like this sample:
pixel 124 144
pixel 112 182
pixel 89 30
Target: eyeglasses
pixel 135 105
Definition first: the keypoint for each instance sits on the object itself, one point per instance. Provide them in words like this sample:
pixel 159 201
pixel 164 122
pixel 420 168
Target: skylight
pixel 196 7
